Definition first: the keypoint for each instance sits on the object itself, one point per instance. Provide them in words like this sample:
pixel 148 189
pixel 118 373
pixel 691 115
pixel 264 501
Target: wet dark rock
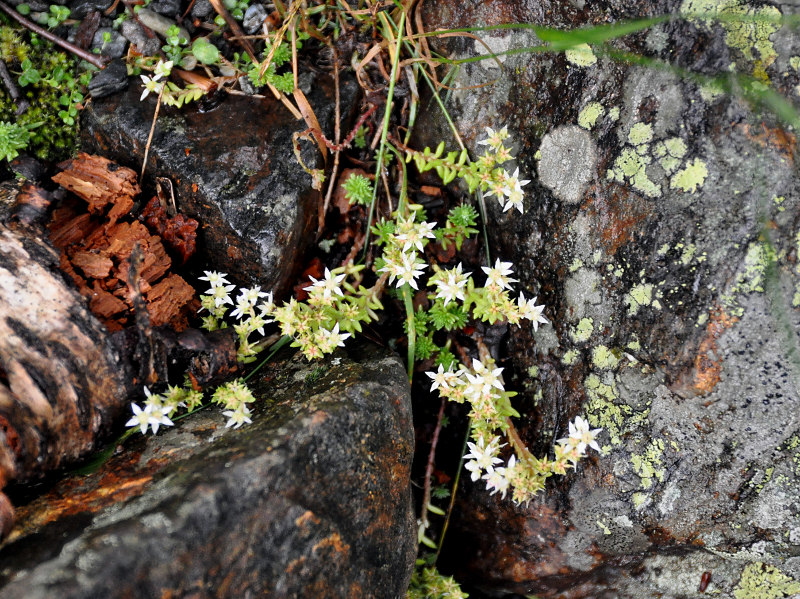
pixel 80 8
pixel 253 17
pixel 661 233
pixel 169 8
pixel 234 171
pixel 112 79
pixel 145 43
pixel 201 9
pixel 115 48
pixel 310 500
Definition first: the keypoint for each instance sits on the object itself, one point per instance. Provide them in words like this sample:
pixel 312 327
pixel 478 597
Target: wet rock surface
pixel 233 169
pixel 661 230
pixel 310 500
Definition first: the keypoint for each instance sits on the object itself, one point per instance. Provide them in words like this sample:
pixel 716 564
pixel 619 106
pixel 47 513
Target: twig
pixel 337 136
pixel 13 90
pixel 426 489
pixel 98 61
pixel 152 129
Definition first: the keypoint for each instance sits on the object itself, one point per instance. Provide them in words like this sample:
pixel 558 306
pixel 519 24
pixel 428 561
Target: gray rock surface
pixel 312 499
pixel 661 230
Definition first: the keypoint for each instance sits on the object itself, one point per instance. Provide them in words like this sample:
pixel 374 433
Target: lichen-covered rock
pixel 662 230
pixel 233 169
pixel 310 500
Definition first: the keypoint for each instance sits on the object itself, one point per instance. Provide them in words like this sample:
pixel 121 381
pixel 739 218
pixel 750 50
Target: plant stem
pixel 426 489
pixel 412 331
pixel 385 129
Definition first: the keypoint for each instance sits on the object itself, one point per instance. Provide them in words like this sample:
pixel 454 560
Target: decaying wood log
pixel 66 380
pixel 62 382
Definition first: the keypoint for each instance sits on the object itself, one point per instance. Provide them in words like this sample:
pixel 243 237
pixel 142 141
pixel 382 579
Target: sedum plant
pixel 338 305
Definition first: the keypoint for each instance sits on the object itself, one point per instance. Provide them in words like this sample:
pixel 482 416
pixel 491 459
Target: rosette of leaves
pixel 13 138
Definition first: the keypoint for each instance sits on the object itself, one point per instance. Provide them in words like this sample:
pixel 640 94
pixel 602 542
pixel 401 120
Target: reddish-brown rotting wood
pixel 178 232
pixel 100 182
pixel 96 245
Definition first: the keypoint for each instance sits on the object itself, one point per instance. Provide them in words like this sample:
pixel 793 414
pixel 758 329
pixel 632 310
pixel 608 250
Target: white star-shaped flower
pixel 140 418
pixel 329 285
pixel 499 275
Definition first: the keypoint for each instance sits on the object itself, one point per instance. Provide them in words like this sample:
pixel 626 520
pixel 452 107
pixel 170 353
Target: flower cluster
pixel 234 396
pixel 170 93
pixel 482 387
pixel 490 303
pixel 403 247
pixel 485 173
pixel 159 408
pixel 253 310
pixel 334 310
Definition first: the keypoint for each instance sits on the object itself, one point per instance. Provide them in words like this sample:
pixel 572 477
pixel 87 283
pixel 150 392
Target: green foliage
pixel 204 51
pixel 237 8
pixel 459 226
pixel 13 50
pixel 174 46
pixel 358 190
pixel 54 16
pixel 13 137
pixel 281 56
pixel 428 583
pixel 360 140
pixel 50 81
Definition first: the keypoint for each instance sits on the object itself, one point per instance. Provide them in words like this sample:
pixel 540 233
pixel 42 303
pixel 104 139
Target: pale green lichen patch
pixel 688 253
pixel 631 166
pixel 589 115
pixel 711 91
pixel 640 133
pixel 763 581
pixel 577 263
pixel 648 464
pixel 747 28
pixel 639 499
pixel 604 358
pixel 670 152
pixel 759 257
pixel 602 412
pixel 640 295
pixel 613 114
pixel 690 177
pixel 794 62
pixel 606 530
pixel 759 481
pixel 583 330
pixel 581 55
pixel 634 345
pixel 779 200
pixel 662 251
pixel 570 357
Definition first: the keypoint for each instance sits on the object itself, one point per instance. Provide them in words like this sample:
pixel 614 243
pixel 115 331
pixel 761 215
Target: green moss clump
pixel 51 95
